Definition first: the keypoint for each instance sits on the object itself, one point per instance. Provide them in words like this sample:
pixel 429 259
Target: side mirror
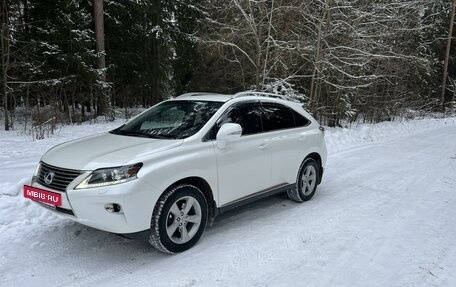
pixel 228 132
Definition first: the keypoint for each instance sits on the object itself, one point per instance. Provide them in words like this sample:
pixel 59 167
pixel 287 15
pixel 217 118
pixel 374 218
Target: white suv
pixel 176 166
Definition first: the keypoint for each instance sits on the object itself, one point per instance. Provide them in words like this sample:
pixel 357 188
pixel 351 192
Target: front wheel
pixel 179 219
pixel 306 182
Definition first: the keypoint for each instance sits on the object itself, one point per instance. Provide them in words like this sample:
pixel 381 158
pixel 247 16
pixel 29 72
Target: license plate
pixel 42 195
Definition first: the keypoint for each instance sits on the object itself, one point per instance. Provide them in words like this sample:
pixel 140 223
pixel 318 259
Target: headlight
pixel 36 174
pixel 110 176
pixel 37 169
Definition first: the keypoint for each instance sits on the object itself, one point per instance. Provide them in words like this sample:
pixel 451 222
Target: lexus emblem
pixel 49 177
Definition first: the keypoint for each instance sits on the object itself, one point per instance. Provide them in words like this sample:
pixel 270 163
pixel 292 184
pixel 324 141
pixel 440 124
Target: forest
pixel 68 61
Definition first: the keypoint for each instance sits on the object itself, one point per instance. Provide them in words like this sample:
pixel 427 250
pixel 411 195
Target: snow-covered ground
pixel 384 216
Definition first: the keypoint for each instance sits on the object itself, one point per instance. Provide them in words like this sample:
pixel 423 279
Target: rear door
pixel 286 133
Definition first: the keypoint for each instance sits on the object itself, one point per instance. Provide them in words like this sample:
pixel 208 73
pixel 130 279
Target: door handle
pixel 263 146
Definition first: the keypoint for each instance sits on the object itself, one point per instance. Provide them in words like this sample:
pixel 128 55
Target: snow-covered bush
pixel 286 89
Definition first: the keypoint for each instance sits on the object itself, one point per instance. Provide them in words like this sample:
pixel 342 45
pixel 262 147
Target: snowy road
pixel 385 215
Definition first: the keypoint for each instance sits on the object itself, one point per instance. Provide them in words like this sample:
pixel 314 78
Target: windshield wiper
pixel 144 135
pixel 162 136
pixel 132 133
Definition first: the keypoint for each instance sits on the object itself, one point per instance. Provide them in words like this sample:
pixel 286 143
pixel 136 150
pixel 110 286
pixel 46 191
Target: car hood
pixel 105 150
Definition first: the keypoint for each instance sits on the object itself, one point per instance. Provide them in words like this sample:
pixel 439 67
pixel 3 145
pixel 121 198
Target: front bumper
pixel 87 206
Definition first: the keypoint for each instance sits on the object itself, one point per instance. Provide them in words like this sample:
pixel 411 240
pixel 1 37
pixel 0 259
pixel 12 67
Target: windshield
pixel 171 120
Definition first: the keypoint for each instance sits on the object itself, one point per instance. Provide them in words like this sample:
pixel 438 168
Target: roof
pixel 242 96
pixel 205 96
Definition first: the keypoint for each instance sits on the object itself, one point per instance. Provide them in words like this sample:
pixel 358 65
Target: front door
pixel 244 165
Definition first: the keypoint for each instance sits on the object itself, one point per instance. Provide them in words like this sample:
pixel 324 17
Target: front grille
pixel 62 177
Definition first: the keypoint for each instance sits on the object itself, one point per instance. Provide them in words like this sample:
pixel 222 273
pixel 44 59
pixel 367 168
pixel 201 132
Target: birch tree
pixel 255 37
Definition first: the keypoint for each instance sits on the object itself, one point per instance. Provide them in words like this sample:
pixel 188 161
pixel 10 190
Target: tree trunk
pixel 155 96
pixel 447 57
pixel 5 43
pixel 102 99
pixel 266 56
pixel 313 83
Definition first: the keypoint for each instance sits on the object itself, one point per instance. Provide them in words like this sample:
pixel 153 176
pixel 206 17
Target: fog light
pixel 113 208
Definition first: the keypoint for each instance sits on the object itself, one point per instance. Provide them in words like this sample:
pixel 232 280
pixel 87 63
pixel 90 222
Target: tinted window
pixel 171 120
pixel 277 117
pixel 248 116
pixel 300 120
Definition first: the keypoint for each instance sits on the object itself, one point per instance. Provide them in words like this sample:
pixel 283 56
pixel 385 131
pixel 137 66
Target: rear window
pixel 277 117
pixel 300 120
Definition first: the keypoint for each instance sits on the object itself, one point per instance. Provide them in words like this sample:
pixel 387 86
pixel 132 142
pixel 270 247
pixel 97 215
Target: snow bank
pixel 19 154
pixel 340 139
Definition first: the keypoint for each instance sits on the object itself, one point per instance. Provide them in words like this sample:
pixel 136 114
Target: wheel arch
pixel 205 188
pixel 316 156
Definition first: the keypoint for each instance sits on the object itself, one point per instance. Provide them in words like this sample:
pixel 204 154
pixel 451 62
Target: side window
pixel 277 117
pixel 300 120
pixel 248 116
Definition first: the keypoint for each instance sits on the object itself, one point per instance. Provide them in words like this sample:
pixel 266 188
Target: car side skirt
pixel 254 197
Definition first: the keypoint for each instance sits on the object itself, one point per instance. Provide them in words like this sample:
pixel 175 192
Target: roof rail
pixel 253 93
pixel 194 94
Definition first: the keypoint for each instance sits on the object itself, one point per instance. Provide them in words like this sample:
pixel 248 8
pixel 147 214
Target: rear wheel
pixel 306 182
pixel 179 219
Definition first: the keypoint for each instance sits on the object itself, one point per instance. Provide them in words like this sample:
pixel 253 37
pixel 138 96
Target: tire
pixel 306 181
pixel 175 228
